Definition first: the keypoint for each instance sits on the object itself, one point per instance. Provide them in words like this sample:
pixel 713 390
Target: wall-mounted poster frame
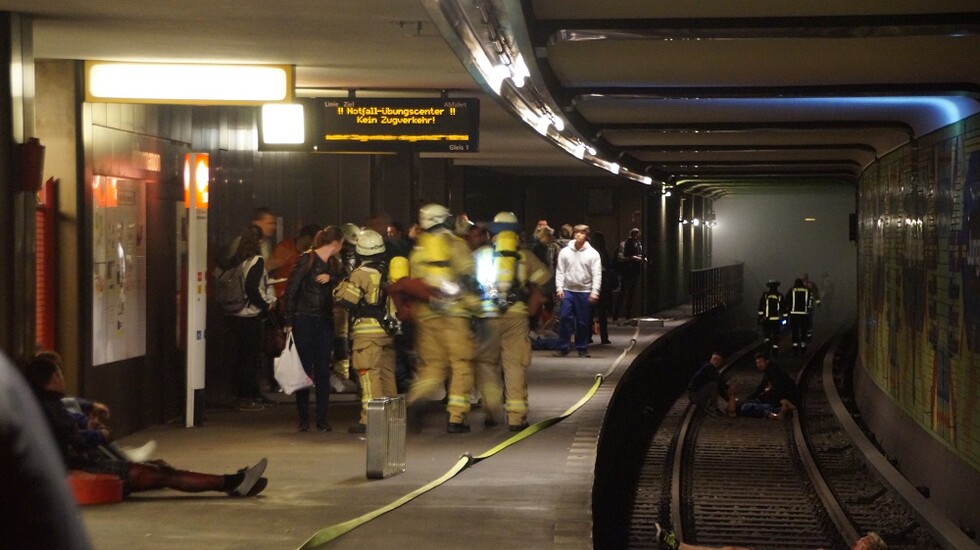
pixel 118 269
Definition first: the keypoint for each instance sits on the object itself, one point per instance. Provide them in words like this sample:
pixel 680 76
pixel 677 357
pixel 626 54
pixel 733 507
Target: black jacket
pixel 782 387
pixel 304 296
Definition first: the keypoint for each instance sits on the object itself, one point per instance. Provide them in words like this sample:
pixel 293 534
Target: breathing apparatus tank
pixel 505 256
pixel 438 269
pixel 397 269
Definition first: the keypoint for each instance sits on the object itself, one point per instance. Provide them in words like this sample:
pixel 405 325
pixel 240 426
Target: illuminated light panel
pixel 809 219
pixel 283 123
pixel 187 83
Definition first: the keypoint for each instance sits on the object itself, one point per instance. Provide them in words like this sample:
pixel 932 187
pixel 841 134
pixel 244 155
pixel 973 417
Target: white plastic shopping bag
pixel 289 369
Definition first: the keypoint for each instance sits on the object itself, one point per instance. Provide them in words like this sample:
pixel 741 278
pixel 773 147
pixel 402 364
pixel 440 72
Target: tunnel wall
pixel 768 232
pixel 919 311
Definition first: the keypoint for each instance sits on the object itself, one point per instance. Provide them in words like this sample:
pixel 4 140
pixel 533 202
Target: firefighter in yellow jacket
pixel 508 276
pixel 443 338
pixel 373 348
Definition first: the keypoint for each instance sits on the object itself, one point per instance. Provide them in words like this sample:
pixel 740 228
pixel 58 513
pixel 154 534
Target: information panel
pixel 400 124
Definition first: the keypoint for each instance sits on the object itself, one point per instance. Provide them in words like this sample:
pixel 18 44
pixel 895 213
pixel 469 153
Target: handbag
pixel 273 336
pixel 289 369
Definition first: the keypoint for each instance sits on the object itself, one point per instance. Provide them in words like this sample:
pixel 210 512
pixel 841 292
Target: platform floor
pixel 534 494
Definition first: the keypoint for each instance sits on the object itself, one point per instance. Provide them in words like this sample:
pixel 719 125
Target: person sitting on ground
pixel 776 394
pixel 44 374
pixel 36 506
pixel 91 417
pixel 706 387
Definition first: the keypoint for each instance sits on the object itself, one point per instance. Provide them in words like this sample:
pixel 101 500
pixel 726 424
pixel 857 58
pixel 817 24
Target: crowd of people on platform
pixel 369 308
pixel 450 309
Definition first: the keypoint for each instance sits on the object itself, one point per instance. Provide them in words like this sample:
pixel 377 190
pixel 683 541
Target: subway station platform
pixel 535 493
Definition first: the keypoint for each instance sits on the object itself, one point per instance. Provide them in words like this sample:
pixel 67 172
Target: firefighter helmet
pixel 350 232
pixel 369 243
pixel 432 215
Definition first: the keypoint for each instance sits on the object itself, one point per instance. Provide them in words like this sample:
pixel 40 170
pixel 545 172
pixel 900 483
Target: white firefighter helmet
pixel 369 243
pixel 432 215
pixel 505 221
pixel 350 232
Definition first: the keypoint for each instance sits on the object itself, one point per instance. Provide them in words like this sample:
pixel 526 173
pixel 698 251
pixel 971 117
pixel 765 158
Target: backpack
pixel 229 288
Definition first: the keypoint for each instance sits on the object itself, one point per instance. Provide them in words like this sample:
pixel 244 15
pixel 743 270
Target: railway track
pixel 791 484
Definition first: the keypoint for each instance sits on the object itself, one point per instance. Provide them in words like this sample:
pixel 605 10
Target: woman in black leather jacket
pixel 309 315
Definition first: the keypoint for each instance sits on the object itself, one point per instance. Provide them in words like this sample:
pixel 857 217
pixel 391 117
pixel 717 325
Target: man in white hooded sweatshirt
pixel 578 277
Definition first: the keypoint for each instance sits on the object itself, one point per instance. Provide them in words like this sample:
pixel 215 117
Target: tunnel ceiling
pixel 711 96
pixel 718 96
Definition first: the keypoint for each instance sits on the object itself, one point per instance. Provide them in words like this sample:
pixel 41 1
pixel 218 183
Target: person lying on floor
pixel 79 451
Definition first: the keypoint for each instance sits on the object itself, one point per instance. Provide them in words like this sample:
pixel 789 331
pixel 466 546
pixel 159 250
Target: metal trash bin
pixel 385 437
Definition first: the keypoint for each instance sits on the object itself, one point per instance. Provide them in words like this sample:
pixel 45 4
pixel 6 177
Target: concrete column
pixel 17 271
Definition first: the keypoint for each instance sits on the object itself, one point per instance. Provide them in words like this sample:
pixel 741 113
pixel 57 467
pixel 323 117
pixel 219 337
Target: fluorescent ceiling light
pixel 283 123
pixel 187 83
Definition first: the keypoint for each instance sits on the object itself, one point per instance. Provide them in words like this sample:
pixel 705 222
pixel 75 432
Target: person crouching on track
pixel 373 349
pixel 707 386
pixel 508 275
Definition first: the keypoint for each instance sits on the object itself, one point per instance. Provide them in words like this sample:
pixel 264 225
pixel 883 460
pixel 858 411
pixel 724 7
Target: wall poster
pixel 118 269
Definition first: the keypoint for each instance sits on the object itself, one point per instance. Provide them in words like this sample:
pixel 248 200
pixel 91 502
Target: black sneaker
pixel 250 478
pixel 457 428
pixel 304 426
pixel 259 486
pixel 560 353
pixel 518 427
pixel 357 428
pixel 323 426
pixel 584 354
pixel 489 422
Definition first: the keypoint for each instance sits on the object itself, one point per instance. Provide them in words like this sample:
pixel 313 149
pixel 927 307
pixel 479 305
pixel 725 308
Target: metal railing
pixel 716 288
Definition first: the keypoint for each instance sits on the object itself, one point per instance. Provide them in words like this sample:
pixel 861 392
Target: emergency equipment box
pixel 385 437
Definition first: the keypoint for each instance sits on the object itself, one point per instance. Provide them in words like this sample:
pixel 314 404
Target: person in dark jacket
pixel 247 324
pixel 776 394
pixel 309 315
pixel 36 507
pixel 707 386
pixel 44 374
pixel 609 281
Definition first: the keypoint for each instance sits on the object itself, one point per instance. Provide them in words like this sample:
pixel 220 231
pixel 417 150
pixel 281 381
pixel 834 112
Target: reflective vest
pixel 799 301
pixel 771 306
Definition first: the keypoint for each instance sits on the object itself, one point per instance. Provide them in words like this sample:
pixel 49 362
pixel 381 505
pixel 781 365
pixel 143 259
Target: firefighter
pixel 341 381
pixel 799 303
pixel 372 323
pixel 771 313
pixel 443 337
pixel 509 278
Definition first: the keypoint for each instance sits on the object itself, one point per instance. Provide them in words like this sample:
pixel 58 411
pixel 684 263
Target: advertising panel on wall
pixel 119 269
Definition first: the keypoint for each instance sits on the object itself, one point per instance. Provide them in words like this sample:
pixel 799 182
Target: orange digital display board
pixel 400 124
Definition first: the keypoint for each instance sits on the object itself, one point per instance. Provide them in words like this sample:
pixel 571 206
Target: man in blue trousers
pixel 578 277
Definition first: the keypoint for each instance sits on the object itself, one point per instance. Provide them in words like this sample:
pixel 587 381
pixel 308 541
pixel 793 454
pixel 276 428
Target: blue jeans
pixel 756 408
pixel 576 316
pixel 314 343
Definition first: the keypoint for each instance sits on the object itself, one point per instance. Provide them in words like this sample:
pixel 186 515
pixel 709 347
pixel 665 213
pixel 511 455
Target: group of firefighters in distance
pixel 469 311
pixel 796 307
